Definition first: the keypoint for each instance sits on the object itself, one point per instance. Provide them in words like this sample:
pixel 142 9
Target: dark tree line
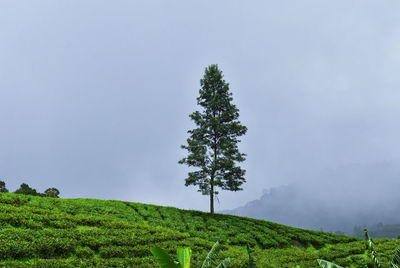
pixel 26 189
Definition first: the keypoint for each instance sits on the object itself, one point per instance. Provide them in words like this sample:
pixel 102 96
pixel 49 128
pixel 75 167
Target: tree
pixel 52 192
pixel 212 146
pixel 3 188
pixel 25 189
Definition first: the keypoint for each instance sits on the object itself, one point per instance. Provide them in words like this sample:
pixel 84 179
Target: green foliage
pixel 252 261
pixel 210 256
pixel 184 255
pixel 327 264
pixel 164 259
pixel 84 252
pixel 3 188
pixel 224 263
pixel 375 262
pixel 25 189
pixel 55 232
pixel 52 192
pixel 396 259
pixel 212 146
pixel 184 258
pixel 374 255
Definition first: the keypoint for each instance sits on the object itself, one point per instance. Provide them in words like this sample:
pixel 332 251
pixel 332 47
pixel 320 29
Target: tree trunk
pixel 212 196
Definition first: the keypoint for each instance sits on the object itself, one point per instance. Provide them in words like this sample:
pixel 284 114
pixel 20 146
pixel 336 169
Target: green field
pixel 52 232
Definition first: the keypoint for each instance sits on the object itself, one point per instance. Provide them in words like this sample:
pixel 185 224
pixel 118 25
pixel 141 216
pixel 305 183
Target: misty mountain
pixel 333 200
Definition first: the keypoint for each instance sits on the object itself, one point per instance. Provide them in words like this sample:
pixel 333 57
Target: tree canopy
pixel 52 192
pixel 26 189
pixel 213 146
pixel 3 188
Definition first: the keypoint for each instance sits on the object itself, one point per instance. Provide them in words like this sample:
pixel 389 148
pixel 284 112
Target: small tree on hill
pixel 3 188
pixel 52 192
pixel 25 189
pixel 212 146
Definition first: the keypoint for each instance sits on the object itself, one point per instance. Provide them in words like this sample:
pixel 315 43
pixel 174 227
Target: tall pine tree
pixel 212 146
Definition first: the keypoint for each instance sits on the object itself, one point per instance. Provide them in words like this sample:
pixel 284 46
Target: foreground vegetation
pixel 52 232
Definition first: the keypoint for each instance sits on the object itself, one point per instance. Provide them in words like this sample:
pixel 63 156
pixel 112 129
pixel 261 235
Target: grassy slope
pixel 51 232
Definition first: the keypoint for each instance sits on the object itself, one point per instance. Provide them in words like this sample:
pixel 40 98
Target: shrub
pixel 15 250
pixel 50 247
pixel 113 252
pixel 84 252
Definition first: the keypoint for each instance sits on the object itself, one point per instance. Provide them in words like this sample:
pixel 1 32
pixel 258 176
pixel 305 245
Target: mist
pixel 335 200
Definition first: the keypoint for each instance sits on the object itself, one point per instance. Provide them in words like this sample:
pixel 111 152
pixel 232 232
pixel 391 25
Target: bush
pixel 15 250
pixel 50 232
pixel 113 252
pixel 84 252
pixel 49 247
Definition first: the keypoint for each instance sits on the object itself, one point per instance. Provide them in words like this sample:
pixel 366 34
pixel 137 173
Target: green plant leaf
pixel 252 262
pixel 327 264
pixel 210 256
pixel 370 243
pixel 184 255
pixel 164 259
pixel 224 263
pixel 396 259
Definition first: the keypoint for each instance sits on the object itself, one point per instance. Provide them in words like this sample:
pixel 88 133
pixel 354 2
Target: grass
pixel 50 232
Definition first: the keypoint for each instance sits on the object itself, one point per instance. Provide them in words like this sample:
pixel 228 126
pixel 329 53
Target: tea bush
pixel 49 232
pixel 84 252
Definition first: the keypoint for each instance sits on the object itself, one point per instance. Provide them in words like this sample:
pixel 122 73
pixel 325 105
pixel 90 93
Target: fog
pixel 334 200
pixel 95 98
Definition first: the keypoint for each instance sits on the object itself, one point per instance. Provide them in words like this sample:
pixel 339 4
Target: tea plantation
pixel 51 232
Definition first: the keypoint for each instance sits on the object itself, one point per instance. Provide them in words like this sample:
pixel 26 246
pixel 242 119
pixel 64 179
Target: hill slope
pixel 50 232
pixel 305 204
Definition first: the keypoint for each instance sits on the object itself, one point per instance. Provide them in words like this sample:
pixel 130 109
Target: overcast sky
pixel 95 95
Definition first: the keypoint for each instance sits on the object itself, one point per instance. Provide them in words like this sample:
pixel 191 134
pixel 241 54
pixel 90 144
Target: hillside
pixel 306 204
pixel 380 230
pixel 49 232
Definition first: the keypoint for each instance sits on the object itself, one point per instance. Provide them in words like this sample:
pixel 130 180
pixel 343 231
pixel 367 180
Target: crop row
pixel 88 242
pixel 227 229
pixel 344 254
pixel 85 232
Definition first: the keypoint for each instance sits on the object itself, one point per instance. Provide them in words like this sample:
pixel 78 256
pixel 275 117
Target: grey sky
pixel 95 95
